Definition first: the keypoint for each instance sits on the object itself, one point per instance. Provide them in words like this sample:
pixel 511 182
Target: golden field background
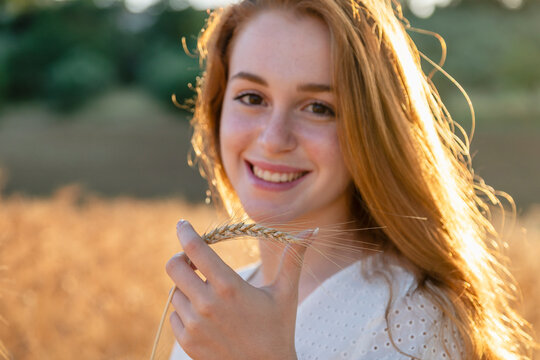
pixel 83 276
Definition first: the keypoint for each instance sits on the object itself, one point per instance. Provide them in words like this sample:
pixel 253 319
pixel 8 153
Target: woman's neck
pixel 333 248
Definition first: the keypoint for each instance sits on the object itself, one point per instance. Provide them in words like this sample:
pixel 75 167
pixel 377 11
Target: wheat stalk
pixel 246 229
pixel 227 232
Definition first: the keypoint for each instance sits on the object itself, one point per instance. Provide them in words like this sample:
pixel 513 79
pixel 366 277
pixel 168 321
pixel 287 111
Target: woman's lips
pixel 274 177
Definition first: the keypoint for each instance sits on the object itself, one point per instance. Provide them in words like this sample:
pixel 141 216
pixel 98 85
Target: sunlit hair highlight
pixel 412 174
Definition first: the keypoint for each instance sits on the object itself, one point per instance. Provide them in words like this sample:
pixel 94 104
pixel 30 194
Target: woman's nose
pixel 277 134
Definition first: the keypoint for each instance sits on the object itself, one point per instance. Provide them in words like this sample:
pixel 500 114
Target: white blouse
pixel 344 318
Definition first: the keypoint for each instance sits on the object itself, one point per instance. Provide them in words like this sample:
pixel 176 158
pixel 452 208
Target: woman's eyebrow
pixel 251 77
pixel 310 87
pixel 314 88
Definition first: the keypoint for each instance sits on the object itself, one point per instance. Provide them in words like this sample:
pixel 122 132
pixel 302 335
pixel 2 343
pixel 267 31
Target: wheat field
pixel 83 277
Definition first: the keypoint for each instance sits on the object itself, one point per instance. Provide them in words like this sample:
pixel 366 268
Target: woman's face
pixel 278 135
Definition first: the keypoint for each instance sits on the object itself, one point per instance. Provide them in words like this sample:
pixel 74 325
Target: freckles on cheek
pixel 233 130
pixel 324 144
pixel 235 135
pixel 233 125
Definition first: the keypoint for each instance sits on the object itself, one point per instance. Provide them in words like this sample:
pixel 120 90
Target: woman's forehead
pixel 285 44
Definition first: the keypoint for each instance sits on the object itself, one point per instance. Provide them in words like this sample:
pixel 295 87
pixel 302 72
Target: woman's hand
pixel 225 317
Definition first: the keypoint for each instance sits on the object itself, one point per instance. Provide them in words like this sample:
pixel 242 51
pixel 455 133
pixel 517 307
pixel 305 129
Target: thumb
pixel 290 268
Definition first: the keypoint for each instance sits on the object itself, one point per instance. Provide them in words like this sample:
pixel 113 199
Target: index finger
pixel 203 257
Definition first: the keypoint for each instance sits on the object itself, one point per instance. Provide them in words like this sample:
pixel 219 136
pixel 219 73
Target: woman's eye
pixel 250 99
pixel 320 109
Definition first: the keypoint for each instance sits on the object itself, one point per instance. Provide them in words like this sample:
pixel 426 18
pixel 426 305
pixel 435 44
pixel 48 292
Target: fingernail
pixel 180 223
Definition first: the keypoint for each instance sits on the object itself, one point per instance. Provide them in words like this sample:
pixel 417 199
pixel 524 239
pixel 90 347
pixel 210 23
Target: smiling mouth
pixel 276 177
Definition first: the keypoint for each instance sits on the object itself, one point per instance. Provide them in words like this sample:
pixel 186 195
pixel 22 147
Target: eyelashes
pixel 321 109
pixel 250 99
pixel 317 108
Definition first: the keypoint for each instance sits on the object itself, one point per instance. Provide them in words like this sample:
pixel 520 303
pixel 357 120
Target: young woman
pixel 316 114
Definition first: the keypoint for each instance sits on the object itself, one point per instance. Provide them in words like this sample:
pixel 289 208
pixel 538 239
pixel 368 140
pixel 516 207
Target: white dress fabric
pixel 344 318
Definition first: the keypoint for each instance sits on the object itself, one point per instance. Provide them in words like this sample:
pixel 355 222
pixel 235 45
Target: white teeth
pixel 275 177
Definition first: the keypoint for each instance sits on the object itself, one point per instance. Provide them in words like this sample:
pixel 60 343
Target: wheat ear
pixel 246 229
pixel 227 232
